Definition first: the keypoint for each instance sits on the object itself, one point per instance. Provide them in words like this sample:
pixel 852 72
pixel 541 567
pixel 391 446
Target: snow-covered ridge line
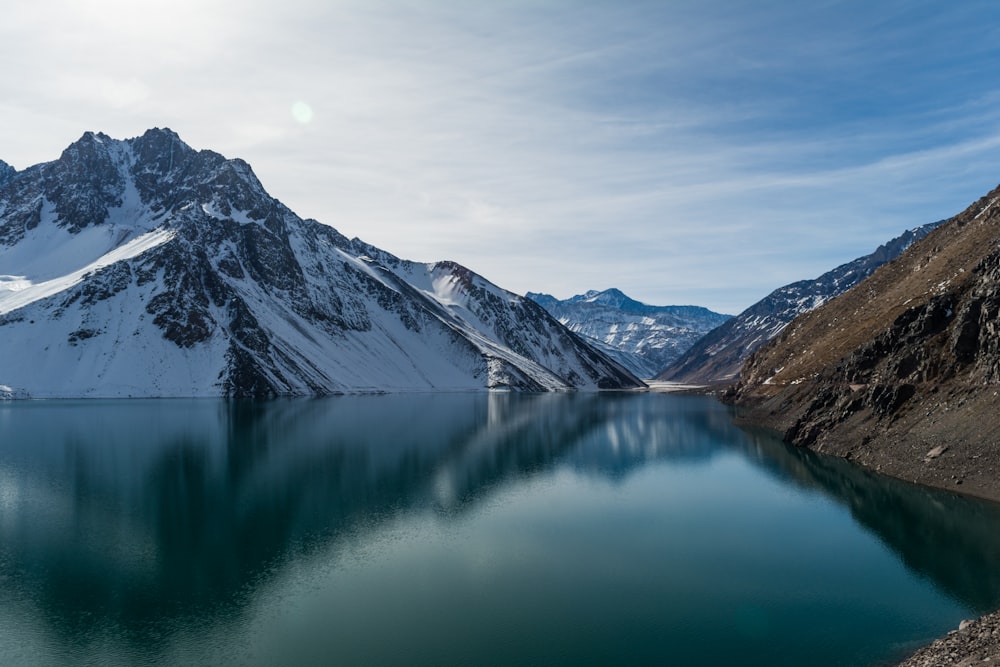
pixel 644 338
pixel 18 292
pixel 283 306
pixel 986 208
pixel 10 393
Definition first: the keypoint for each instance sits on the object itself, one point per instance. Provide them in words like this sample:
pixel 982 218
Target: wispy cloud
pixel 684 152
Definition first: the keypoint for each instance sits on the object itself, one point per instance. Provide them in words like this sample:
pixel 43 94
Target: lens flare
pixel 302 112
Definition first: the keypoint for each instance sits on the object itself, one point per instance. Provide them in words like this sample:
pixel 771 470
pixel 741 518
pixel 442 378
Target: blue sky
pixel 685 152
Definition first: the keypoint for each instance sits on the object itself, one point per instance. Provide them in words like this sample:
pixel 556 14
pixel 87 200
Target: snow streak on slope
pixel 18 291
pixel 145 268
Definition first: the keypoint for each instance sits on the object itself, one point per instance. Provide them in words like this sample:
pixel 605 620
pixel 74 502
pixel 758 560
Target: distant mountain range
pixel 142 267
pixel 643 338
pixel 718 356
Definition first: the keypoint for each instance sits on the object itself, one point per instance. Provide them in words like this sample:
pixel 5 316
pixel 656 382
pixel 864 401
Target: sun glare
pixel 302 112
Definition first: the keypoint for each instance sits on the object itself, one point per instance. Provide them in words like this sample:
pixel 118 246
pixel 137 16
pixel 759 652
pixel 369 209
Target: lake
pixel 464 529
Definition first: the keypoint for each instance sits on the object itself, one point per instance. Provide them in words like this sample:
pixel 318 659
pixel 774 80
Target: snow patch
pixel 14 283
pixel 986 208
pixel 26 294
pixel 242 217
pixel 447 290
pixel 9 393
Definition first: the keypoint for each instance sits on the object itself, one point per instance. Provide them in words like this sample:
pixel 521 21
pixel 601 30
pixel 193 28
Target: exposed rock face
pixel 903 372
pixel 146 268
pixel 6 172
pixel 719 355
pixel 643 338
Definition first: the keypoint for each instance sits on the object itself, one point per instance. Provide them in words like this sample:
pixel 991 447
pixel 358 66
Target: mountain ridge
pixel 718 357
pixel 900 374
pixel 642 337
pixel 236 295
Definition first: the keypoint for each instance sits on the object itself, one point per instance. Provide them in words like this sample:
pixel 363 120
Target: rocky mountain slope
pixel 901 373
pixel 643 338
pixel 145 268
pixel 719 355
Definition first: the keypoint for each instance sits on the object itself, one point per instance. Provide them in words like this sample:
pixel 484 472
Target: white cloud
pixel 685 153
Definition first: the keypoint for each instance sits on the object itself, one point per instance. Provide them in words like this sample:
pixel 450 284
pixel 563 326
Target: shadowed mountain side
pixel 901 373
pixel 944 537
pixel 718 356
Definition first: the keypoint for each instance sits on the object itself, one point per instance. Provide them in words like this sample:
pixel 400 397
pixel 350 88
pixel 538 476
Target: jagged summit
pixel 644 338
pixel 162 134
pixel 144 267
pixel 99 180
pixel 609 297
pixel 6 172
pixel 615 298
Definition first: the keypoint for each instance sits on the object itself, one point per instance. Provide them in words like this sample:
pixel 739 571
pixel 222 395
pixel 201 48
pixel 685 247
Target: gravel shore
pixel 974 643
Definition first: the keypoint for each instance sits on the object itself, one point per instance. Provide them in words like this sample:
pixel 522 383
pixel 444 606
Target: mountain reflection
pixel 143 510
pixel 950 539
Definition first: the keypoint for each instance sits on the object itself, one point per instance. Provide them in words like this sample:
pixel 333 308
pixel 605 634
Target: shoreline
pixel 946 460
pixel 976 641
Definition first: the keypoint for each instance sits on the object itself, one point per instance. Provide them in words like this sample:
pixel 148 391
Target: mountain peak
pixel 185 278
pixel 94 137
pixel 87 147
pixel 6 172
pixel 612 297
pixel 98 179
pixel 153 143
pixel 160 133
pixel 643 338
pixel 161 150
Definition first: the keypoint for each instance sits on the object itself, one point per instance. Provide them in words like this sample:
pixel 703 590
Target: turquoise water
pixel 463 529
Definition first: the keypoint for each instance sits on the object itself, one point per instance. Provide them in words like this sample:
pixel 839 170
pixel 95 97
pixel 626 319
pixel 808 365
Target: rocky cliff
pixel 902 373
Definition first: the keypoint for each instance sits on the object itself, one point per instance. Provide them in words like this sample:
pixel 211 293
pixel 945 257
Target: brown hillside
pixel 905 363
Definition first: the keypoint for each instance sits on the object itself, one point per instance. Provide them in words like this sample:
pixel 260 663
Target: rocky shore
pixel 973 643
pixel 949 459
pixel 901 374
pixel 953 458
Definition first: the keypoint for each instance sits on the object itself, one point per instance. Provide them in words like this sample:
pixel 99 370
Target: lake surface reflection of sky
pixel 558 529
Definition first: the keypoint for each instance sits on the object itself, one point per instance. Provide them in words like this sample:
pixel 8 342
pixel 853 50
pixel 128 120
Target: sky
pixel 701 152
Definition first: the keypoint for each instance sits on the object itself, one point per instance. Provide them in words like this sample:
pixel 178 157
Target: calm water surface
pixel 463 529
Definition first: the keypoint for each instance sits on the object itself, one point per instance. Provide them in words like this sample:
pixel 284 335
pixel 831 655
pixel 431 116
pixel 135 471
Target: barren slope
pixel 719 355
pixel 901 373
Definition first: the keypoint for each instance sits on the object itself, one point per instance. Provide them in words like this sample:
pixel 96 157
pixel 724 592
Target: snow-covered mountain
pixel 645 339
pixel 719 355
pixel 145 268
pixel 6 172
